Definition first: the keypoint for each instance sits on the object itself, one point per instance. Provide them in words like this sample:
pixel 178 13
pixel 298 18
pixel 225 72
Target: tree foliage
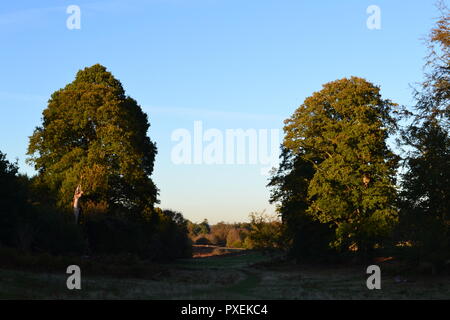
pixel 266 232
pixel 30 225
pixel 95 135
pixel 12 200
pixel 425 192
pixel 305 236
pixel 91 129
pixel 344 172
pixel 434 93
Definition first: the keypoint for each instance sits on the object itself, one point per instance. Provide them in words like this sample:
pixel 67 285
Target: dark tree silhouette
pixel 425 199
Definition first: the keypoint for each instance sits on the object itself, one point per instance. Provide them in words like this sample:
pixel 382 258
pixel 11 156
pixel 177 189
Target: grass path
pixel 247 286
pixel 245 282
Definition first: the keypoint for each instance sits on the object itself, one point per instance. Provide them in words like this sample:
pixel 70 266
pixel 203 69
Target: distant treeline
pixel 262 232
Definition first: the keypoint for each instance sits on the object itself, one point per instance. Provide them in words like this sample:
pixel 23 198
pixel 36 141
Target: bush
pixel 30 225
pixel 202 241
pixel 158 235
pixel 56 233
pixel 310 239
pixel 220 233
pixel 266 232
pixel 112 233
pixel 236 238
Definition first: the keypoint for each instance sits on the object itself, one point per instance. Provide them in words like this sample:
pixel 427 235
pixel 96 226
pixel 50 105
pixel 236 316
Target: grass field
pixel 235 276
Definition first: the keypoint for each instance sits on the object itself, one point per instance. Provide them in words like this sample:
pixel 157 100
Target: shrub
pixel 266 232
pixel 202 241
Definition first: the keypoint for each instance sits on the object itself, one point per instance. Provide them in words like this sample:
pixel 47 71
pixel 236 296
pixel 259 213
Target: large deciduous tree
pixel 344 170
pixel 92 129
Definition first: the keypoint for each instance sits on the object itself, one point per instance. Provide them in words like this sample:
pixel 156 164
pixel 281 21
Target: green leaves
pixel 341 131
pixel 91 129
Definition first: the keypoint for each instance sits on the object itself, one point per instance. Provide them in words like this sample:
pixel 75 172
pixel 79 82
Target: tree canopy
pixel 337 138
pixel 91 130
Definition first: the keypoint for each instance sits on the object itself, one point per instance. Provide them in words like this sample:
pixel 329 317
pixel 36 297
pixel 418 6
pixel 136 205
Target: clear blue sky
pixel 229 63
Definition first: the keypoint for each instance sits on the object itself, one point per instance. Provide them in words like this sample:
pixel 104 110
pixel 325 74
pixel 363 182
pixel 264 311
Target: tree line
pixel 263 232
pixel 340 189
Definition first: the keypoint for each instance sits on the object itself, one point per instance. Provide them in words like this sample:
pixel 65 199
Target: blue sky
pixel 228 63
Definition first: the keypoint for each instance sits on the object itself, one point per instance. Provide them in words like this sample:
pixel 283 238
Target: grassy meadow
pixel 238 275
